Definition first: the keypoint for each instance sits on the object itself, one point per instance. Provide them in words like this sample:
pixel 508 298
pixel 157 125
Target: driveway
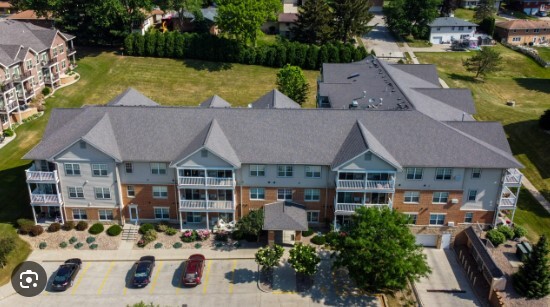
pixel 448 279
pixel 381 40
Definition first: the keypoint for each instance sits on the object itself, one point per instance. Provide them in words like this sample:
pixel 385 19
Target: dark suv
pixel 193 270
pixel 65 275
pixel 143 272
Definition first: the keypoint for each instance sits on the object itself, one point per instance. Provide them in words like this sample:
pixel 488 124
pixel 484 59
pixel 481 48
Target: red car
pixel 192 275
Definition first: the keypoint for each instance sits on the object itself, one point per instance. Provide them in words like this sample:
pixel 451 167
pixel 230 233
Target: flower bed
pixel 54 239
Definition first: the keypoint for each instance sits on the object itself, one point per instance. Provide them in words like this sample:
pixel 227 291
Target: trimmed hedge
pixel 519 232
pixel 318 240
pixel 25 226
pixel 90 240
pixel 170 231
pixel 96 229
pixel 496 237
pixel 70 225
pixel 220 49
pixel 36 230
pixel 114 230
pixel 81 226
pixel 145 227
pixel 307 233
pixel 506 231
pixel 42 245
pixel 54 227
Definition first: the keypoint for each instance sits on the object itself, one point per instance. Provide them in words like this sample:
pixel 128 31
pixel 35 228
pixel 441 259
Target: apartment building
pixel 523 32
pixel 195 165
pixel 31 57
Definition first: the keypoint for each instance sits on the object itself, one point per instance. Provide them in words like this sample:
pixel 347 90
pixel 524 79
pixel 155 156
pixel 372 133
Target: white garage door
pixel 426 240
pixel 437 39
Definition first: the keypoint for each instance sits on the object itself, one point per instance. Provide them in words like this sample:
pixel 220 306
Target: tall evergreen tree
pixel 486 8
pixel 314 23
pixel 533 278
pixel 447 7
pixel 350 18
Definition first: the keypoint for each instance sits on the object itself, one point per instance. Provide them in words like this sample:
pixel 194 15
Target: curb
pixel 258 283
pixel 156 259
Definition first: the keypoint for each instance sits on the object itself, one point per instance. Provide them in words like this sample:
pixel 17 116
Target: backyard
pixel 104 75
pixel 528 84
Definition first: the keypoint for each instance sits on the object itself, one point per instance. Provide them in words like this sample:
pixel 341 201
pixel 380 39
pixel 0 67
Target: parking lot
pixel 224 282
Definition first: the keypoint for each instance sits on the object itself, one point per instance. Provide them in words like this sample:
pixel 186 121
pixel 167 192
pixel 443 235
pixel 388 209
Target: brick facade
pixel 93 214
pixel 146 203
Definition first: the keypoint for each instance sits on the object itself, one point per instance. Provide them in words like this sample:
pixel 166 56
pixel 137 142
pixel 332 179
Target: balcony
pixel 34 176
pixel 349 208
pixel 10 106
pixel 508 199
pixel 45 199
pixel 51 78
pixel 206 181
pixel 512 177
pixel 203 205
pixel 364 185
pixel 71 51
pixel 50 62
pixel 6 87
pixel 22 76
pixel 24 97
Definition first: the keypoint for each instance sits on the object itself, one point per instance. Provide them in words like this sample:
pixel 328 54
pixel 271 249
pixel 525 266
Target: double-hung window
pixel 412 217
pixel 28 64
pixel 99 170
pixel 130 191
pixel 437 219
pixel 72 169
pixel 129 167
pixel 284 194
pixel 414 173
pixel 472 195
pixel 476 173
pixel 76 192
pixel 468 217
pixel 312 194
pixel 158 168
pixel 257 193
pixel 160 192
pixel 313 171
pixel 285 170
pixel 440 197
pixel 257 170
pixel 312 216
pixel 162 213
pixel 443 173
pixel 105 214
pixel 80 214
pixel 412 197
pixel 102 193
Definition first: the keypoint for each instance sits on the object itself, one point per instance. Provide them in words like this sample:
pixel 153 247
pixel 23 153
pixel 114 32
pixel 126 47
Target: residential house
pixel 532 7
pixel 470 4
pixel 31 17
pixel 31 57
pixel 444 30
pixel 523 32
pixel 5 8
pixel 194 166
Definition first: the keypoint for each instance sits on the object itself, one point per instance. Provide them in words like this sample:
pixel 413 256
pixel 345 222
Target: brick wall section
pixel 93 215
pixel 526 37
pixel 146 203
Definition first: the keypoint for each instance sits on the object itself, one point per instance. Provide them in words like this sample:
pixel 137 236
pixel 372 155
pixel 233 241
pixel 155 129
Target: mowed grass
pixel 105 75
pixel 528 84
pixel 544 53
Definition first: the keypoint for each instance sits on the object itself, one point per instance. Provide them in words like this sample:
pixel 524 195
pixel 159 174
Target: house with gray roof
pixel 133 160
pixel 444 30
pixel 31 57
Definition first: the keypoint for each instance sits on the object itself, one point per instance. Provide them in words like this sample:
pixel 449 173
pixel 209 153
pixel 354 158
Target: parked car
pixel 65 275
pixel 192 275
pixel 143 272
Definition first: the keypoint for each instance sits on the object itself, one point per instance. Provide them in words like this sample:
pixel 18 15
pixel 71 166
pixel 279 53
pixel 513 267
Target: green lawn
pixel 465 14
pixel 544 53
pixel 416 43
pixel 524 81
pixel 105 75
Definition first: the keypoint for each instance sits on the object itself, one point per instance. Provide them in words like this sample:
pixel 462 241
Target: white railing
pixel 211 205
pixel 347 207
pixel 209 181
pixel 512 176
pixel 225 182
pixel 45 199
pixel 220 205
pixel 507 198
pixel 191 180
pixel 41 176
pixel 366 184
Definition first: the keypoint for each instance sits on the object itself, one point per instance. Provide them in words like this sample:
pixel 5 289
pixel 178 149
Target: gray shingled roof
pixel 451 22
pixel 131 97
pixel 215 102
pixel 285 215
pixel 275 100
pixel 271 136
pixel 14 32
pixel 426 72
pixel 490 132
pixel 459 98
pixel 9 54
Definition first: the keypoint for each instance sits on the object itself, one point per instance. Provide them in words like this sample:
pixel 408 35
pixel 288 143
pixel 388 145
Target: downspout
pixel 326 194
pixel 119 194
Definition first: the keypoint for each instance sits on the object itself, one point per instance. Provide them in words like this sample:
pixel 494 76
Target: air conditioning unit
pixel 451 224
pixel 454 201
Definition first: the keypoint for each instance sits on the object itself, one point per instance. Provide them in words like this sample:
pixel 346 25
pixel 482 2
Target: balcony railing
pixel 33 175
pixel 10 106
pixel 507 199
pixel 208 181
pixel 45 199
pixel 7 86
pixel 25 96
pixel 51 78
pixel 203 205
pixel 512 177
pixel 365 184
pixel 350 208
pixel 70 51
pixel 22 76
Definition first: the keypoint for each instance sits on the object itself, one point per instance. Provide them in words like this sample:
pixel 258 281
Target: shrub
pixel 203 234
pixel 519 232
pixel 158 245
pixel 129 44
pixel 63 244
pixel 46 91
pixel 93 246
pixel 141 243
pixel 81 226
pixel 177 245
pixel 36 230
pixel 332 237
pixel 318 240
pixel 78 245
pixel 189 236
pixel 269 257
pixel 150 236
pixel 506 231
pixel 72 240
pixel 496 237
pixel 198 245
pixel 54 227
pixel 170 231
pixel 25 225
pixel 307 233
pixel 90 240
pixel 139 45
pixel 70 225
pixel 237 235
pixel 114 230
pixel 161 44
pixel 544 121
pixel 96 228
pixel 145 227
pixel 222 236
pixel 8 132
pixel 42 245
pixel 161 227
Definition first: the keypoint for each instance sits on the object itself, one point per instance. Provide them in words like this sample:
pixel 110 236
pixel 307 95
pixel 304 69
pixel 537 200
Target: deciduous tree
pixel 486 8
pixel 314 23
pixel 252 223
pixel 447 7
pixel 268 257
pixel 412 17
pixel 304 259
pixel 533 278
pixel 350 18
pixel 485 61
pixel 292 82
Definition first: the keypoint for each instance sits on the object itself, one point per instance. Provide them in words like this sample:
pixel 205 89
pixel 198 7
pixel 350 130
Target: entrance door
pixel 445 240
pixel 134 213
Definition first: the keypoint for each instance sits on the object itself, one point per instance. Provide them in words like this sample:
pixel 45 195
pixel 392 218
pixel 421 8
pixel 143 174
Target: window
pixel 476 173
pixel 453 28
pixel 102 193
pixel 257 193
pixel 443 173
pixel 99 170
pixel 61 48
pixel 284 194
pixel 412 217
pixel 526 30
pixel 438 28
pixel 312 216
pixel 460 28
pixel 54 50
pixel 440 197
pixel 437 219
pixel 7 74
pixel 105 214
pixel 313 171
pixel 312 195
pixel 129 167
pixel 76 192
pixel 28 64
pixel 193 217
pixel 130 191
pixel 284 170
pixel 472 194
pixel 204 153
pixel 468 217
pixel 40 77
pixel 257 170
pixel 412 197
pixel 63 64
pixel 72 169
pixel 80 214
pixel 470 27
pixel 516 39
pixel 158 168
pixel 414 173
pixel 160 192
pixel 368 156
pixel 162 213
pixel 82 145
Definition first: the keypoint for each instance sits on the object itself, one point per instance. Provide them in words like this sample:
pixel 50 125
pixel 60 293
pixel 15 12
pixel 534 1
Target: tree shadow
pixel 206 65
pixel 14 195
pixel 466 78
pixel 241 276
pixel 534 84
pixel 85 51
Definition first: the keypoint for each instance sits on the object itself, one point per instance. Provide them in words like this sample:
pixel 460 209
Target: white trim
pixel 162 213
pixel 54 156
pixel 175 164
pixel 312 200
pixel 250 193
pixel 285 171
pixel 99 214
pixel 133 190
pixel 159 192
pixel 397 167
pixel 130 207
pixel 318 216
pixel 411 202
pixel 320 171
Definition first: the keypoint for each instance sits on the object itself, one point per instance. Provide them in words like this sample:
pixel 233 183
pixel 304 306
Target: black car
pixel 65 275
pixel 143 272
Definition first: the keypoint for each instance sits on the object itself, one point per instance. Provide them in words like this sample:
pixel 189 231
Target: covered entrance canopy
pixel 286 219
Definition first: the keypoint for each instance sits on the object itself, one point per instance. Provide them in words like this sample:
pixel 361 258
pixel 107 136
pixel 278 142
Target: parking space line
pixel 283 292
pixel 80 278
pixel 105 278
pixel 154 283
pixel 208 266
pixel 232 276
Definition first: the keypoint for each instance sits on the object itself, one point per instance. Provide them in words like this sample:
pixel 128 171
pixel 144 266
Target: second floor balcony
pixel 51 78
pixel 508 199
pixel 203 205
pixel 38 198
pixel 512 177
pixel 206 181
pixel 21 77
pixel 349 208
pixel 365 184
pixel 37 176
pixel 9 106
